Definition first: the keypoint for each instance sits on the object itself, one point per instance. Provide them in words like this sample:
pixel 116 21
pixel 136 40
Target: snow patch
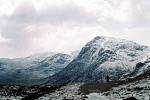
pixel 96 96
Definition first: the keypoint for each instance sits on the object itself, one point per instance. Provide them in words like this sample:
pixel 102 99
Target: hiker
pixel 107 78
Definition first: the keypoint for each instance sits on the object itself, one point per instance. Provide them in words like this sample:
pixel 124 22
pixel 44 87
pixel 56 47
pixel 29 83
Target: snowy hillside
pixel 31 70
pixel 141 68
pixel 100 57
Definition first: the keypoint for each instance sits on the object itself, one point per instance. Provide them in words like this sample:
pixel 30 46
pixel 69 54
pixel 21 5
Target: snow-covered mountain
pixel 32 69
pixel 100 57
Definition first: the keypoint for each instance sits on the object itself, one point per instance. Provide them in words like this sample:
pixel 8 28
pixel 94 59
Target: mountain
pixel 100 57
pixel 32 69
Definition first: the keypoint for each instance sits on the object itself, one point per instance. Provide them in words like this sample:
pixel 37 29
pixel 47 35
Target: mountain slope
pixel 31 70
pixel 141 68
pixel 100 57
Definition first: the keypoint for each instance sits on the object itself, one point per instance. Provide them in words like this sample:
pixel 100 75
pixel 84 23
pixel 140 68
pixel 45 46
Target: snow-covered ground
pixel 96 96
pixel 10 98
pixel 139 89
pixel 69 92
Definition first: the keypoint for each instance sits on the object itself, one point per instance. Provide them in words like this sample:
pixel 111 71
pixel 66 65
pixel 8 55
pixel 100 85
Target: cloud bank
pixel 35 26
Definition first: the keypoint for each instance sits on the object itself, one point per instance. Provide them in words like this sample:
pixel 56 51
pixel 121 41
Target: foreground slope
pixel 100 57
pixel 139 89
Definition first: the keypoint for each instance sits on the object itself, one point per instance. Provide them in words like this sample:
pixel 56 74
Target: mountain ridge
pixel 31 70
pixel 119 55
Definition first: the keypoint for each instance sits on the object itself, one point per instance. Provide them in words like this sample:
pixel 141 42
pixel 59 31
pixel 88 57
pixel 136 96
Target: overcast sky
pixel 35 26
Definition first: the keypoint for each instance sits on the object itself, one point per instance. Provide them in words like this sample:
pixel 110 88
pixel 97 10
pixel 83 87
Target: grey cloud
pixel 71 15
pixel 67 13
pixel 26 15
pixel 53 14
pixel 140 13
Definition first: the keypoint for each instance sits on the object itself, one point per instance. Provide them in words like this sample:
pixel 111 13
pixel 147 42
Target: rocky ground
pixel 139 89
pixel 11 92
pixel 68 92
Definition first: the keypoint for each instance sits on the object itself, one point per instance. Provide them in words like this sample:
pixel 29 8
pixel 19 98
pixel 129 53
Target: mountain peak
pixel 99 37
pixel 103 37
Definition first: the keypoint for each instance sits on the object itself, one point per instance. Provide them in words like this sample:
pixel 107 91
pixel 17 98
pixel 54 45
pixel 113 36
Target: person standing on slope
pixel 107 78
